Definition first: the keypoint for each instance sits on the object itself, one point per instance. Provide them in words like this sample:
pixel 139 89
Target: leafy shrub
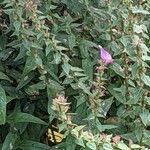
pixel 51 70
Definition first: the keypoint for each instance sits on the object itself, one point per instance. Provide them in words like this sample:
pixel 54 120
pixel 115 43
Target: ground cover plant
pixel 74 74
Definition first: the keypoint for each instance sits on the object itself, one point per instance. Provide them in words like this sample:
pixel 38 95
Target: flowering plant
pixel 52 73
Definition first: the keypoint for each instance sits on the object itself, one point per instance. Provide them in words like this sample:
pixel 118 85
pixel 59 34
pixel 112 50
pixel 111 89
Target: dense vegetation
pixel 54 70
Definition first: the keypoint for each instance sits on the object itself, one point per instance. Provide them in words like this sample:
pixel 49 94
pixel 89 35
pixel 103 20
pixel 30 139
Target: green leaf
pixel 10 99
pixel 22 53
pixel 88 67
pixel 145 116
pixel 3 102
pixel 17 25
pixel 123 146
pixel 68 80
pixel 54 87
pixel 9 142
pixel 138 133
pixel 137 10
pixel 76 69
pixel 117 95
pixel 71 41
pixel 35 87
pixel 57 58
pixel 24 117
pixel 76 130
pixel 48 48
pixel 84 87
pixel 118 69
pixel 91 145
pixel 78 74
pixel 38 61
pixel 52 74
pixel 80 100
pixel 138 28
pixel 115 48
pixel 5 54
pixel 32 145
pixel 106 127
pixel 146 137
pixel 144 48
pixel 66 67
pixel 130 135
pixel 105 36
pixel 105 106
pixel 135 95
pixel 24 81
pixel 3 42
pixel 72 5
pixel 135 146
pixel 29 66
pixel 84 51
pixel 4 77
pixel 146 79
pixel 70 144
pixel 107 146
pixel 79 141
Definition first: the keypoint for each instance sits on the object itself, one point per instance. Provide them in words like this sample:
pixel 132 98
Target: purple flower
pixel 105 56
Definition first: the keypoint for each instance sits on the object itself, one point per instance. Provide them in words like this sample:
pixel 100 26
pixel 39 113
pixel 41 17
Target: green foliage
pixel 49 51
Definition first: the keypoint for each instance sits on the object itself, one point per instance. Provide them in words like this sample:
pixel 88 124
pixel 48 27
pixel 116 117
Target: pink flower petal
pixel 105 56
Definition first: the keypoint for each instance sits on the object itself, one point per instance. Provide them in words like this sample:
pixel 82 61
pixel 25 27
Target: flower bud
pixel 105 56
